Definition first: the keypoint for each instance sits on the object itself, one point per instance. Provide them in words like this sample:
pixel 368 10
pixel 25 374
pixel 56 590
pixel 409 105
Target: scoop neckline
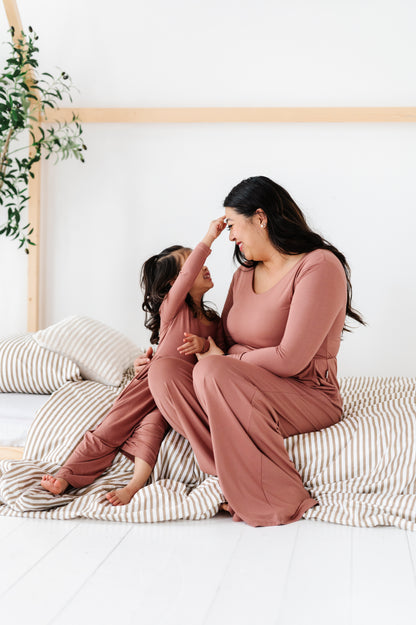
pixel 281 279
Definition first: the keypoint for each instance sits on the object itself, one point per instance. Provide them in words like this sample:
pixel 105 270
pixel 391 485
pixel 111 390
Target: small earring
pixel 261 225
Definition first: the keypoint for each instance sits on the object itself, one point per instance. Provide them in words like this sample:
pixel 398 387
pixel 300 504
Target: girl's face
pixel 246 233
pixel 203 283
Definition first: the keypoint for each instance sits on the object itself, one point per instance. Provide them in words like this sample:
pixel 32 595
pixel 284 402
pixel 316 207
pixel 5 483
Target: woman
pixel 283 319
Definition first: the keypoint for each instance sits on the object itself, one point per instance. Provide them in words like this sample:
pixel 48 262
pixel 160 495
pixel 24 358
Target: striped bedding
pixel 362 471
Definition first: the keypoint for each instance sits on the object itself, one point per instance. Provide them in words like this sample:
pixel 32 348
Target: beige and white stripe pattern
pixel 178 489
pixel 362 470
pixel 26 367
pixel 101 352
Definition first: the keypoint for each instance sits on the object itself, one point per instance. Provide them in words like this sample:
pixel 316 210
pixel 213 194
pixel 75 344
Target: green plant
pixel 25 96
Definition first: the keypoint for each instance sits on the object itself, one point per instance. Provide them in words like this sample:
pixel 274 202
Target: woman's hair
pixel 286 225
pixel 156 278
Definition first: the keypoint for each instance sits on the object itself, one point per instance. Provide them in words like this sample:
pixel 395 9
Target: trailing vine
pixel 25 96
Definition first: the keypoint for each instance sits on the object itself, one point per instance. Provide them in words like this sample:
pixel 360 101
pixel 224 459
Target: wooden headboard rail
pixel 179 115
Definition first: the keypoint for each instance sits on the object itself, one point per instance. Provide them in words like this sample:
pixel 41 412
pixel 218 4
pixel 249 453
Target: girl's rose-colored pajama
pixel 134 425
pixel 278 379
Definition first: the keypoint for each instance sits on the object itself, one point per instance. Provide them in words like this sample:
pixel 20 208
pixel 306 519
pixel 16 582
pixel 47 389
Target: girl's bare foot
pixel 120 497
pixel 55 485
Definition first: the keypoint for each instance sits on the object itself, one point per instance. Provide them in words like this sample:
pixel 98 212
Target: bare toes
pixel 54 485
pixel 112 498
pixel 225 506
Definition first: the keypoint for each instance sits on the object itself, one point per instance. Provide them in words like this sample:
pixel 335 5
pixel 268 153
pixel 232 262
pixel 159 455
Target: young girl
pixel 174 283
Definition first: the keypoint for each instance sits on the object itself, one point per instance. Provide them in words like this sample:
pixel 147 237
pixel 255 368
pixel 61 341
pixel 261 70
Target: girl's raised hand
pixel 214 230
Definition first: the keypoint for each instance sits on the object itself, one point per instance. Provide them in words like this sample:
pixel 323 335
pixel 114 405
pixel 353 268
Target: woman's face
pixel 246 233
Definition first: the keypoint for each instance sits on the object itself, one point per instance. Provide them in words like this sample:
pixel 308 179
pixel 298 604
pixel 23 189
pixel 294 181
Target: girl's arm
pixel 183 283
pixel 191 267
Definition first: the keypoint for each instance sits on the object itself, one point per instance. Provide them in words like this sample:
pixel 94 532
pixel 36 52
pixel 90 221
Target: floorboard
pixel 411 539
pixel 318 583
pixel 22 550
pixel 212 572
pixel 252 587
pixel 65 568
pixel 383 586
pixel 166 573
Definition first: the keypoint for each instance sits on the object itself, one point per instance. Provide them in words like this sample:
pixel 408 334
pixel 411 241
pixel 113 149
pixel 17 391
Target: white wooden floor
pixel 204 573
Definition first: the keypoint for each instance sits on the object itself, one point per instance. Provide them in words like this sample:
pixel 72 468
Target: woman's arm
pixel 319 298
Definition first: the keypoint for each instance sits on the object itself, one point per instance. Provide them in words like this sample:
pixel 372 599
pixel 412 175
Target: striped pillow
pixel 26 367
pixel 101 353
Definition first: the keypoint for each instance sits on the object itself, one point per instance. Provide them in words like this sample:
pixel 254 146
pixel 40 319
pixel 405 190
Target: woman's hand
pixel 214 230
pixel 192 344
pixel 143 360
pixel 213 350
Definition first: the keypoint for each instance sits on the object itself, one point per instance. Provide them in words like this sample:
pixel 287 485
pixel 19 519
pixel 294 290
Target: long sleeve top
pixel 175 315
pixel 294 328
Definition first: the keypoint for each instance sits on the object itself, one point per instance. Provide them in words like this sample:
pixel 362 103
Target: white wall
pixel 147 186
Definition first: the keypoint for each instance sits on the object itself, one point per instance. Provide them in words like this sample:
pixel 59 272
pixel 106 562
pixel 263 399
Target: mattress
pixel 17 412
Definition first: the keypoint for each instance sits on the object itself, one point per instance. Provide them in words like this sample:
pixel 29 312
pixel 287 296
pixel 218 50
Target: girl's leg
pixel 122 496
pixel 146 438
pixel 98 448
pixel 142 447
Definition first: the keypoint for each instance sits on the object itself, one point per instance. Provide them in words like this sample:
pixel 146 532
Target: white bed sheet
pixel 17 412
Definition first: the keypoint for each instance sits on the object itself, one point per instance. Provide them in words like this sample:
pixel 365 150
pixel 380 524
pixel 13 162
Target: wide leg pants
pixel 235 416
pixel 134 426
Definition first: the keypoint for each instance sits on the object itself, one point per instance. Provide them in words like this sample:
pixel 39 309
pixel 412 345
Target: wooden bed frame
pixel 178 115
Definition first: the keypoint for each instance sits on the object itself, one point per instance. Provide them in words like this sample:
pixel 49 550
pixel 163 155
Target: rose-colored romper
pixel 134 425
pixel 278 379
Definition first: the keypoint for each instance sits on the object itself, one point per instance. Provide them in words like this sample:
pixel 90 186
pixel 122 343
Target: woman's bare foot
pixel 55 485
pixel 225 507
pixel 120 497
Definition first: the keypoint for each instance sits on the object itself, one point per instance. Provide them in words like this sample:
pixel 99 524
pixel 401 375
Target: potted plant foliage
pixel 25 96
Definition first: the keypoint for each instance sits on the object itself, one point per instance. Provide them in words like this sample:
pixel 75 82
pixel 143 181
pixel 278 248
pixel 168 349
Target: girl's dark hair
pixel 156 278
pixel 286 225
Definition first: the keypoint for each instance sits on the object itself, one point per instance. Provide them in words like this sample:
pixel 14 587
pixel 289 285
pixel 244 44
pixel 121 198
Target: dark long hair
pixel 286 225
pixel 156 278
